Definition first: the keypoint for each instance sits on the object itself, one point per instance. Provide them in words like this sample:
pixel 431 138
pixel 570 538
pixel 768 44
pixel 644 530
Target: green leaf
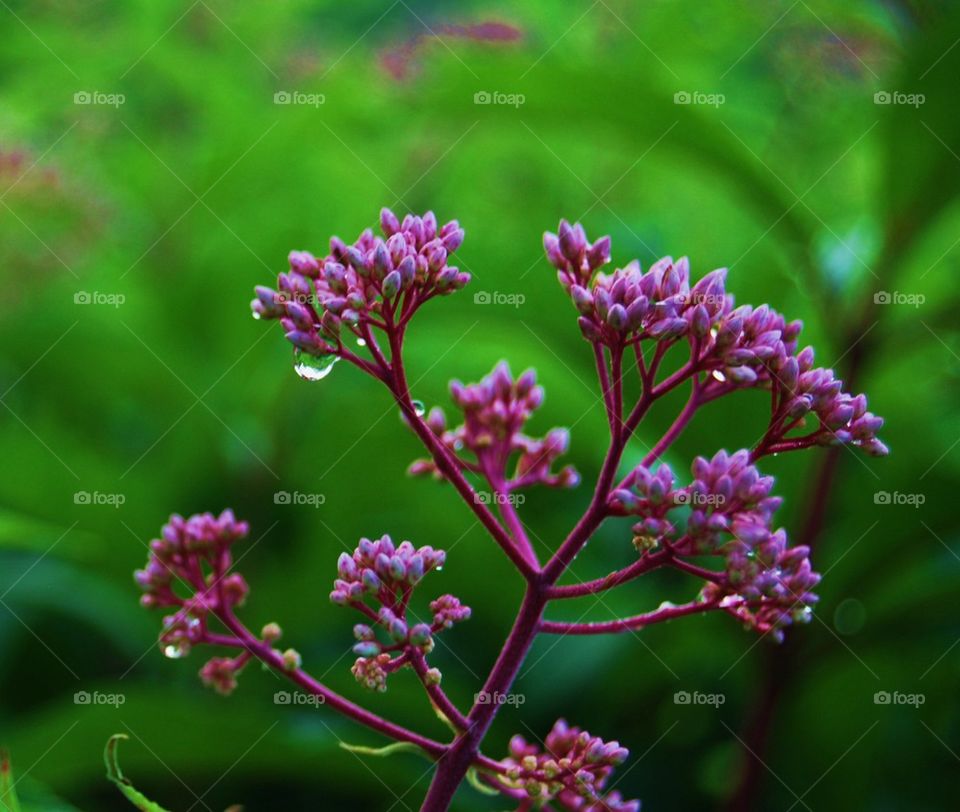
pixel 8 795
pixel 388 750
pixel 138 799
pixel 473 777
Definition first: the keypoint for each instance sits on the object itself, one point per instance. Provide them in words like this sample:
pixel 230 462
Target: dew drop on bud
pixel 310 367
pixel 361 342
pixel 718 375
pixel 419 408
pixel 173 652
pixel 256 315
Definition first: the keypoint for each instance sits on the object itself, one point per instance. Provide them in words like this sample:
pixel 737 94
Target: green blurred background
pixel 193 189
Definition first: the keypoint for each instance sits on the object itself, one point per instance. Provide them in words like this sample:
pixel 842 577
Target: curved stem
pixel 453 765
pixel 630 623
pixel 693 403
pixel 449 468
pixel 635 570
pixel 604 376
pixel 437 695
pixel 266 654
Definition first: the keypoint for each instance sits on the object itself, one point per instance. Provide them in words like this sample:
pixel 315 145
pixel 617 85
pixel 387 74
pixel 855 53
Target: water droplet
pixel 419 408
pixel 850 616
pixel 313 368
pixel 256 315
pixel 361 342
pixel 731 600
pixel 718 375
pixel 174 652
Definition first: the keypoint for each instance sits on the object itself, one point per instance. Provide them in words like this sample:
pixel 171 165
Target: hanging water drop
pixel 419 408
pixel 718 375
pixel 361 342
pixel 311 367
pixel 174 652
pixel 256 315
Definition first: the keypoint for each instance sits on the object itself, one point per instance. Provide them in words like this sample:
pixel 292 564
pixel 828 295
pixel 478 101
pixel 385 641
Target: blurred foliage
pixel 194 189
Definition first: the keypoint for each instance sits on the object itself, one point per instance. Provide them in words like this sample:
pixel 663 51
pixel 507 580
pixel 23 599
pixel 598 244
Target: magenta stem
pixel 449 469
pixel 629 623
pixel 267 654
pixel 693 403
pixel 635 570
pixel 437 695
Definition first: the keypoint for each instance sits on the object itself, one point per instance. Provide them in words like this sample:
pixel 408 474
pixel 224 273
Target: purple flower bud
pixel 420 635
pixel 304 262
pixel 582 299
pixel 367 648
pixel 389 222
pixel 391 285
pixel 572 243
pixel 617 317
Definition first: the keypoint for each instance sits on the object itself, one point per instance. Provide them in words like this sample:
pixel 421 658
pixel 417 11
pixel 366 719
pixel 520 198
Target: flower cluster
pixel 495 410
pixel 765 583
pixel 842 418
pixel 194 554
pixel 360 284
pixel 738 347
pixel 386 574
pixel 372 288
pixel 571 771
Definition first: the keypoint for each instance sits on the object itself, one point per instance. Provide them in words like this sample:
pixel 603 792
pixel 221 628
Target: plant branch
pixel 635 622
